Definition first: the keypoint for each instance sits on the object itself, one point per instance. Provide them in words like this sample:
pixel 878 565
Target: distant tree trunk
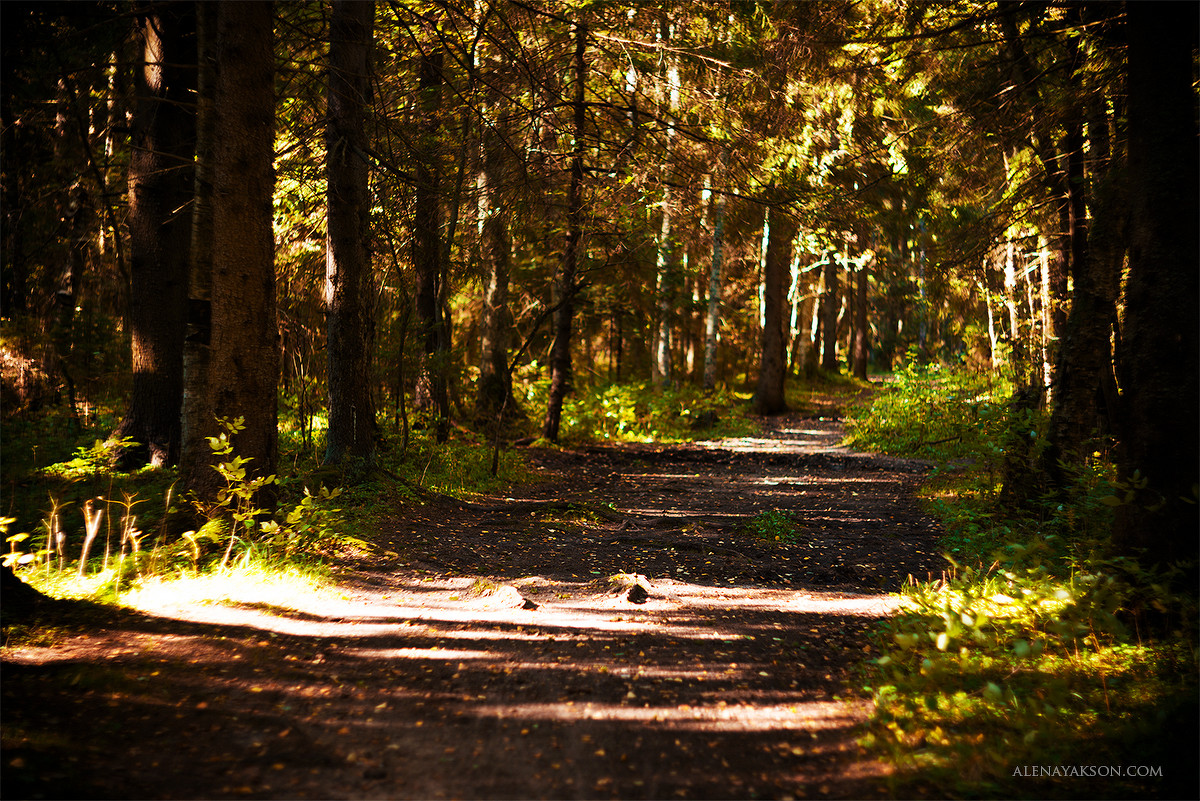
pixel 1160 345
pixel 861 346
pixel 432 392
pixel 830 304
pixel 560 350
pixel 243 372
pixel 349 286
pixel 712 320
pixel 495 243
pixel 772 372
pixel 668 270
pixel 161 185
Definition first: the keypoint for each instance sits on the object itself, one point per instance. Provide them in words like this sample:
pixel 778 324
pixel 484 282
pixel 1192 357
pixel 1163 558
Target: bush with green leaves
pixel 935 412
pixel 247 525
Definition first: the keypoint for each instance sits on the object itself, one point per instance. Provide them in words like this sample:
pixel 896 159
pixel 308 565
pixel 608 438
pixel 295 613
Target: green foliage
pixel 307 526
pixel 90 460
pixel 645 412
pixel 934 412
pixel 1034 638
pixel 775 526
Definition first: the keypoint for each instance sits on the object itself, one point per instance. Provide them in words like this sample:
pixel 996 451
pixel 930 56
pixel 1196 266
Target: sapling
pixel 92 515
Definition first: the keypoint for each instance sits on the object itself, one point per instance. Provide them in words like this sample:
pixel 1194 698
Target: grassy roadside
pixel 1040 665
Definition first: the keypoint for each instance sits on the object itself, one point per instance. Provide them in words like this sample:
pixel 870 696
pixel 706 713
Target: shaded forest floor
pixel 491 653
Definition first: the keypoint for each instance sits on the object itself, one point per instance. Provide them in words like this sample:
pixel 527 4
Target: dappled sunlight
pixel 808 716
pixel 435 652
pixel 571 608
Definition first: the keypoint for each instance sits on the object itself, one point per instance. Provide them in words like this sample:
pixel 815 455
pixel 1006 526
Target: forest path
pixel 495 659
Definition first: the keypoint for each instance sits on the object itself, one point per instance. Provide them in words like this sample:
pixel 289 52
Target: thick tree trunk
pixel 349 286
pixel 772 372
pixel 1160 345
pixel 161 185
pixel 432 392
pixel 560 350
pixel 243 372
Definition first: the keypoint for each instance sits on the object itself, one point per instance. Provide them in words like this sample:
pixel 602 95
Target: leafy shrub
pixel 934 412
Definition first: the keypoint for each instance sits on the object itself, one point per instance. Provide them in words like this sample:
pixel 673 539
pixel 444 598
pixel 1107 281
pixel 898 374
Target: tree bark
pixel 349 285
pixel 667 261
pixel 861 346
pixel 432 391
pixel 161 185
pixel 243 370
pixel 769 397
pixel 197 346
pixel 560 350
pixel 1084 365
pixel 495 244
pixel 830 303
pixel 1160 343
pixel 712 320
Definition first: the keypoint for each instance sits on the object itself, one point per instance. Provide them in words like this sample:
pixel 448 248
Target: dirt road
pixel 493 655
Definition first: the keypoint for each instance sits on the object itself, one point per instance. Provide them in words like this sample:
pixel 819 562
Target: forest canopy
pixel 355 218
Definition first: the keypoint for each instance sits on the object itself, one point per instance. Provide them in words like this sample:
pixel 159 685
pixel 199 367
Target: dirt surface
pixel 491 654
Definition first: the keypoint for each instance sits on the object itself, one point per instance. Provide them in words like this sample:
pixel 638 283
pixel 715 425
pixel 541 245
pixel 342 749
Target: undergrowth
pixel 644 412
pixel 1031 651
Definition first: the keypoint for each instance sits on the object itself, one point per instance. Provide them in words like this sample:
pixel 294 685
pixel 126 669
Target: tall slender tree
pixel 560 350
pixel 432 391
pixel 769 397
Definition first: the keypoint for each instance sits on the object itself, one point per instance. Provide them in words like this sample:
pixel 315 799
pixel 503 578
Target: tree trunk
pixel 243 371
pixel 830 303
pixel 432 391
pixel 1160 346
pixel 861 347
pixel 667 262
pixel 560 350
pixel 1084 362
pixel 495 243
pixel 161 185
pixel 349 286
pixel 196 420
pixel 769 397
